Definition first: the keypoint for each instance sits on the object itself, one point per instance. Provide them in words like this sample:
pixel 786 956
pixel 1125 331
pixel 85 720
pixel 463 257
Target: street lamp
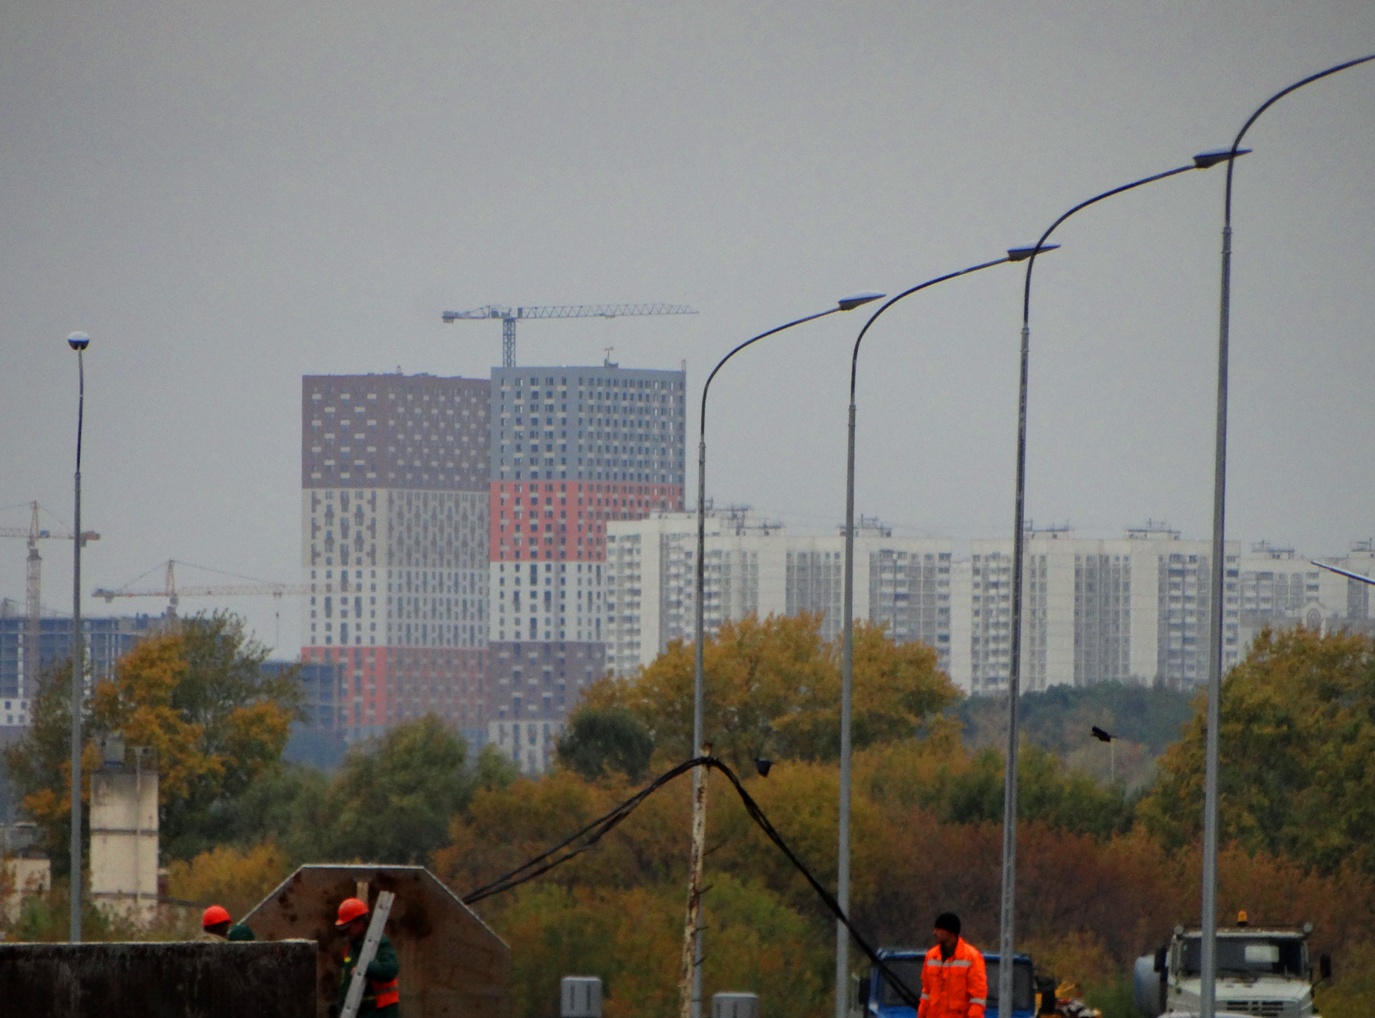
pixel 848 639
pixel 1107 737
pixel 691 971
pixel 78 341
pixel 1208 959
pixel 1202 161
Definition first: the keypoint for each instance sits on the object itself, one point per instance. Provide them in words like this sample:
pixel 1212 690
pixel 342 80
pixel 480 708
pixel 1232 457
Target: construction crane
pixel 174 593
pixel 509 317
pixel 33 581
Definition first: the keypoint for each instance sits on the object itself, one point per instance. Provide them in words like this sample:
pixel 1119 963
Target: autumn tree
pixel 197 696
pixel 1296 749
pixel 773 690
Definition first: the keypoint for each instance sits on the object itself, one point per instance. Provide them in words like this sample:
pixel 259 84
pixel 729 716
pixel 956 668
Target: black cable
pixel 580 841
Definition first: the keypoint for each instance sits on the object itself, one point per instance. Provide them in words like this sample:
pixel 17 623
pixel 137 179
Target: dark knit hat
pixel 948 921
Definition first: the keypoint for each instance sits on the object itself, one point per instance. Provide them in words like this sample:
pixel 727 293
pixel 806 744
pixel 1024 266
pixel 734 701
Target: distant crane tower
pixel 33 588
pixel 509 317
pixel 173 593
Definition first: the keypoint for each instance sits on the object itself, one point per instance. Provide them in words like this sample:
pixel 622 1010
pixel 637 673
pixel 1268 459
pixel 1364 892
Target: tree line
pixel 1105 869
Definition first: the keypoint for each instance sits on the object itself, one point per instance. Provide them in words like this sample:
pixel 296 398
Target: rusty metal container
pixel 452 964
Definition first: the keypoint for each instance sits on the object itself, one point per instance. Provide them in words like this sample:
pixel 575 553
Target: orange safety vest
pixel 385 993
pixel 954 987
pixel 380 993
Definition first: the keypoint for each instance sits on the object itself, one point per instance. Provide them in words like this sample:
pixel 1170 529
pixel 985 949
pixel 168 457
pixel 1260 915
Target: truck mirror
pixel 862 991
pixel 1160 955
pixel 1325 965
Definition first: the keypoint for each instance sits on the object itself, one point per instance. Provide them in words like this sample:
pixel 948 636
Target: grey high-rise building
pixel 571 449
pixel 394 496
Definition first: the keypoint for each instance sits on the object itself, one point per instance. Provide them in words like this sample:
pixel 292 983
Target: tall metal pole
pixel 1009 875
pixel 691 1002
pixel 848 644
pixel 78 341
pixel 1217 587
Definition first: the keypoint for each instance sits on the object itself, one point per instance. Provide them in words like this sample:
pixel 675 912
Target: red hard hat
pixel 214 915
pixel 351 909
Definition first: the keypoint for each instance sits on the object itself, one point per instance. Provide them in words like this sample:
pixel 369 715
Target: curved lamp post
pixel 1202 161
pixel 1208 959
pixel 691 970
pixel 78 341
pixel 848 627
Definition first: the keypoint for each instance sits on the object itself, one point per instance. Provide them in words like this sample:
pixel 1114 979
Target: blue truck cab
pixel 875 996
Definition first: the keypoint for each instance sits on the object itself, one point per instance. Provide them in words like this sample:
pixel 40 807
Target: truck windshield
pixel 1282 956
pixel 906 969
pixel 1023 998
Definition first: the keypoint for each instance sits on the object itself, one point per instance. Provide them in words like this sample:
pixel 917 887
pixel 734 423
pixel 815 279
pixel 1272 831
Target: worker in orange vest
pixel 954 983
pixel 381 993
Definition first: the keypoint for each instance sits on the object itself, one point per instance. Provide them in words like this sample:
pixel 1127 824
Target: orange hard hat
pixel 214 915
pixel 351 909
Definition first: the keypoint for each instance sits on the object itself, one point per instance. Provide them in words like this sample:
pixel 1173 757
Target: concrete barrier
pixel 152 980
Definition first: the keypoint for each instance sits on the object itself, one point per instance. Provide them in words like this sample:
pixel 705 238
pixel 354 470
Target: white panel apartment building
pixel 1132 609
pixel 752 565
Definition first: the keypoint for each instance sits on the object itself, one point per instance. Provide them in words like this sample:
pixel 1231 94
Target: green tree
pixel 1296 749
pixel 599 740
pixel 195 694
pixel 393 799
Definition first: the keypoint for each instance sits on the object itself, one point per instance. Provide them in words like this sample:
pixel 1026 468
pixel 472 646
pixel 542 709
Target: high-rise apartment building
pixel 106 641
pixel 394 513
pixel 571 449
pixel 1135 609
pixel 752 565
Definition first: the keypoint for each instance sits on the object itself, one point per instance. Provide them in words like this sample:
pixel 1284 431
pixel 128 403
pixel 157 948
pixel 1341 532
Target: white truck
pixel 1263 971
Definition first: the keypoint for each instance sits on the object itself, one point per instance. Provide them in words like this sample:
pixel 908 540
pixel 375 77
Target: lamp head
pixel 1021 254
pixel 78 341
pixel 762 766
pixel 1101 735
pixel 1214 156
pixel 859 299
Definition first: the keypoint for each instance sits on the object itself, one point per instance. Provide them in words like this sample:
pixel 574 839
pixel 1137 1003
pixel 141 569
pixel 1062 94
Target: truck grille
pixel 1263 1008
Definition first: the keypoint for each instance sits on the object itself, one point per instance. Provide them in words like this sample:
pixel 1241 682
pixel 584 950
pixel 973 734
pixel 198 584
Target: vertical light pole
pixel 1005 935
pixel 691 975
pixel 78 341
pixel 1218 591
pixel 847 655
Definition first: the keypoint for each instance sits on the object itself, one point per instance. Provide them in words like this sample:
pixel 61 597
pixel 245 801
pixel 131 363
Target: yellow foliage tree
pixel 236 878
pixel 773 690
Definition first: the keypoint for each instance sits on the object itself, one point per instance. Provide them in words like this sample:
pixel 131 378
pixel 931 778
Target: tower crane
pixel 509 317
pixel 174 593
pixel 33 587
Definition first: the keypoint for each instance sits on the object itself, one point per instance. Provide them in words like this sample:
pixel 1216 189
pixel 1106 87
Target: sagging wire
pixel 580 841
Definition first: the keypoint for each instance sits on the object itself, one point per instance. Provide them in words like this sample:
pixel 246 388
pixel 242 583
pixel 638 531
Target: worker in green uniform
pixel 381 992
pixel 216 922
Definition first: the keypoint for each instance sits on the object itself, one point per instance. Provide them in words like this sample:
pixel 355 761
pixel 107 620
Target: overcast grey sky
pixel 228 196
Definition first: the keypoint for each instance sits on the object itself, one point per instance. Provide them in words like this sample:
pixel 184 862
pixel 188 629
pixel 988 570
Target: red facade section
pixel 385 686
pixel 566 520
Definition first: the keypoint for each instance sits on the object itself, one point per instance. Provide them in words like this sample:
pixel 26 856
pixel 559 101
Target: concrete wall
pixel 154 980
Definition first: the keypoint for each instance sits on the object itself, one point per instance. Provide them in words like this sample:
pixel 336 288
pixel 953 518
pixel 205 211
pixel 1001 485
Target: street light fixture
pixel 692 1002
pixel 848 639
pixel 78 341
pixel 1202 161
pixel 1208 958
pixel 1107 737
